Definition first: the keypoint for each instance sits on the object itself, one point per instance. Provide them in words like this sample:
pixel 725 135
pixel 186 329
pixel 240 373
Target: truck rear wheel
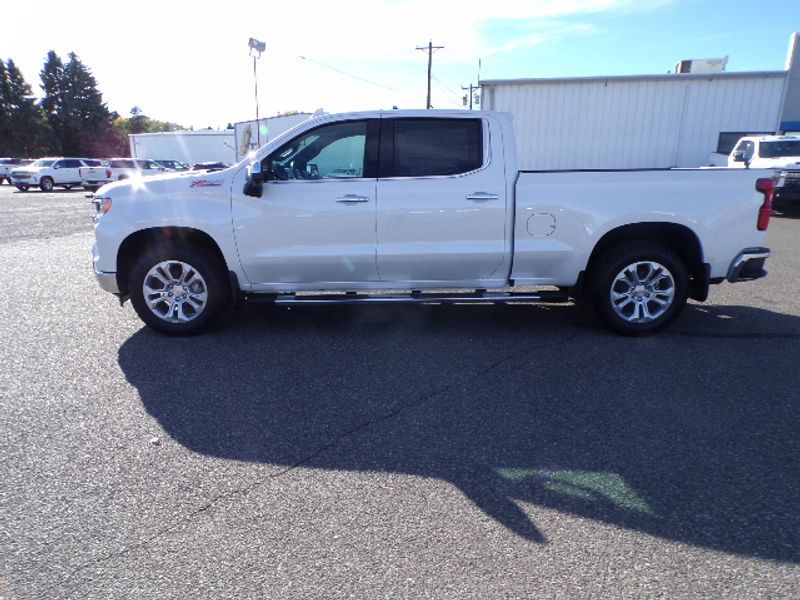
pixel 638 288
pixel 178 289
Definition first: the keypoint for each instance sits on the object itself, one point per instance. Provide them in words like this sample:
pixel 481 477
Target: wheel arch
pixel 678 238
pixel 136 243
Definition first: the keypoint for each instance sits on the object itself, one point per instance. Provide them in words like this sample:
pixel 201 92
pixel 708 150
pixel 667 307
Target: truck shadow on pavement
pixel 690 436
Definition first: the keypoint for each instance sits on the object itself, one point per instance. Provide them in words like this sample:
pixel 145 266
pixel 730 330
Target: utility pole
pixel 471 89
pixel 429 49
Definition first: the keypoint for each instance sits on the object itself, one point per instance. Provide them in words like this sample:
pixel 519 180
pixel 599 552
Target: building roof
pixel 632 78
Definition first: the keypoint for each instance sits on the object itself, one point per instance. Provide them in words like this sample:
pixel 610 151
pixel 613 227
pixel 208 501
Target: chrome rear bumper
pixel 748 265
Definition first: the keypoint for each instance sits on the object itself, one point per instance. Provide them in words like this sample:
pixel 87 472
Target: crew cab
pixel 425 206
pixel 47 173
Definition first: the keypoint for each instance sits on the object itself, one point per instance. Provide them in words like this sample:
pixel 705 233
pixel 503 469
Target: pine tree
pixel 24 131
pixel 5 111
pixel 74 106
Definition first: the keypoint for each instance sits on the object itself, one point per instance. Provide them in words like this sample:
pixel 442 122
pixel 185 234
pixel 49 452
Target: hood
pixel 783 162
pixel 180 182
pixel 29 169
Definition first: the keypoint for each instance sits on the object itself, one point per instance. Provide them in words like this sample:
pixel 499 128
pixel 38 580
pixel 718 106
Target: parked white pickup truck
pixel 95 174
pixel 771 152
pixel 430 203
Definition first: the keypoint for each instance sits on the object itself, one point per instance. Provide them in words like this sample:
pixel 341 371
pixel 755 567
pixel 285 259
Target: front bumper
pixel 107 281
pixel 748 265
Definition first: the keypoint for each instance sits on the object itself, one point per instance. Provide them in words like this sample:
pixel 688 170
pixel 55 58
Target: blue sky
pixel 192 66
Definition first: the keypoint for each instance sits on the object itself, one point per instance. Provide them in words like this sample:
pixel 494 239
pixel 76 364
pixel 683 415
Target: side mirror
pixel 254 183
pixel 738 156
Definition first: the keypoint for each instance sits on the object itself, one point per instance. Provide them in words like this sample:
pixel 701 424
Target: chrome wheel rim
pixel 175 291
pixel 642 292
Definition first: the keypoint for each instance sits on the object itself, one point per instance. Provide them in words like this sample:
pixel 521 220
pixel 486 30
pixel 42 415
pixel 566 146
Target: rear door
pixel 442 202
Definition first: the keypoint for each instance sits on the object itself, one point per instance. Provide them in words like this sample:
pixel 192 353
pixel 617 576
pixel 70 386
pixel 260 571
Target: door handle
pixel 351 199
pixel 482 196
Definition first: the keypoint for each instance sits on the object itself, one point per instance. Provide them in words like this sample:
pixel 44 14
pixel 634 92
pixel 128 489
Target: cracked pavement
pixel 412 452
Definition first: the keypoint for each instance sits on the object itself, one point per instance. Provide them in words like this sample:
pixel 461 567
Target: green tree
pixel 74 107
pixel 53 86
pixel 5 110
pixel 23 129
pixel 138 123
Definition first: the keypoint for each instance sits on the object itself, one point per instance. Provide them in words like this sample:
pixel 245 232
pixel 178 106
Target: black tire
pixel 22 188
pixel 657 298
pixel 46 184
pixel 67 187
pixel 193 307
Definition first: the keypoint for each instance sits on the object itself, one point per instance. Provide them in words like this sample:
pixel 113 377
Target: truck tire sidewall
pixel 618 258
pixel 46 184
pixel 207 264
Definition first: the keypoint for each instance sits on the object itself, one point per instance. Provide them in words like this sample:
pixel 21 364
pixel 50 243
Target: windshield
pixel 43 162
pixel 779 149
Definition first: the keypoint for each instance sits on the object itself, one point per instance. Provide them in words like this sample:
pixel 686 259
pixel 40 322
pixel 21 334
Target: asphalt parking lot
pixel 390 452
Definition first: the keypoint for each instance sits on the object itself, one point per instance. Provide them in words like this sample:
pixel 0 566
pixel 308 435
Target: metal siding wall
pixel 633 124
pixel 717 105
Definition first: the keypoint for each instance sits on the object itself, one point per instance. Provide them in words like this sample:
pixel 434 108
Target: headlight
pixel 102 205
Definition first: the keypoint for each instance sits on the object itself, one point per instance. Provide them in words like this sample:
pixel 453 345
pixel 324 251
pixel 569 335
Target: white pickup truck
pixel 778 152
pixel 425 206
pixel 95 174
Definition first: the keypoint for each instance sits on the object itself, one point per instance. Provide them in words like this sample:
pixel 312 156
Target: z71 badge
pixel 206 183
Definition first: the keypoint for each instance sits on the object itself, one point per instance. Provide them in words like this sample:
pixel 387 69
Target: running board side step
pixel 412 297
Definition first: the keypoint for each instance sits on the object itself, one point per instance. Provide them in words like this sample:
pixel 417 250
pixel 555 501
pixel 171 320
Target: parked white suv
pixel 47 173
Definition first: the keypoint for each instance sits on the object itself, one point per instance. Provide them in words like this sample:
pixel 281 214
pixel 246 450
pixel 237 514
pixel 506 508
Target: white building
pixel 186 146
pixel 250 138
pixel 228 146
pixel 661 121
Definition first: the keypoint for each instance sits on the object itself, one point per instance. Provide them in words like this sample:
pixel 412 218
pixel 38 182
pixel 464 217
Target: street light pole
pixel 256 48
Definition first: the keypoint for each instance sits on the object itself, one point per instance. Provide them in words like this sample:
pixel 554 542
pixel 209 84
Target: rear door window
pixel 427 147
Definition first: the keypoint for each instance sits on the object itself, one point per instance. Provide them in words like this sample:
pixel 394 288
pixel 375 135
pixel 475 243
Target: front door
pixel 66 170
pixel 315 221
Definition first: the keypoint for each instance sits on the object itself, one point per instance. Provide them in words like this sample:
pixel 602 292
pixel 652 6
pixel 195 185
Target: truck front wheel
pixel 638 288
pixel 178 289
pixel 46 184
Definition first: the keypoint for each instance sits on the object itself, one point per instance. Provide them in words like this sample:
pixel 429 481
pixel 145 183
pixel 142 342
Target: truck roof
pixel 771 138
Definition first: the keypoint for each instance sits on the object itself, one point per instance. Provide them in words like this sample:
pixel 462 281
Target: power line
pixel 359 78
pixel 430 50
pixel 453 96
